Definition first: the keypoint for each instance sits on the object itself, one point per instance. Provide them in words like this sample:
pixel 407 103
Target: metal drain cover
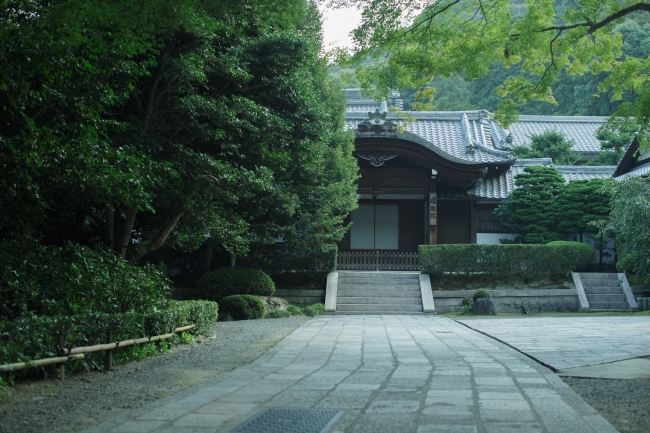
pixel 289 421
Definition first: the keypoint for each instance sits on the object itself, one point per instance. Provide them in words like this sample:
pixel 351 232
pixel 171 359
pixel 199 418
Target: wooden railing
pixel 75 353
pixel 378 260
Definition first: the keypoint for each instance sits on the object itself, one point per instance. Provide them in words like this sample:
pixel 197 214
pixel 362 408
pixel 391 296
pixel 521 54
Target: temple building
pixel 436 177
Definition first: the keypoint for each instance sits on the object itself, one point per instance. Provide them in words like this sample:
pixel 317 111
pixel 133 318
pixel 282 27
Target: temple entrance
pixel 375 227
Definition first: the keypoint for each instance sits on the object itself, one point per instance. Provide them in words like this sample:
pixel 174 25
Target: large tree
pixel 543 39
pixel 135 124
pixel 530 212
pixel 629 223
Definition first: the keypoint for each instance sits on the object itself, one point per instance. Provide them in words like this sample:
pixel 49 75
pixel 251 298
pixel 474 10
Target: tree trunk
pixel 233 259
pixel 110 226
pixel 600 258
pixel 124 235
pixel 207 255
pixel 159 240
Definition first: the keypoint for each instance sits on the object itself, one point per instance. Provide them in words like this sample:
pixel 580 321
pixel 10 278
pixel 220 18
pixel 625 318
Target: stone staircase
pixel 604 292
pixel 378 293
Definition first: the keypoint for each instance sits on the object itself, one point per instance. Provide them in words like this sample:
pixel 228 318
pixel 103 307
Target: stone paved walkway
pixel 388 374
pixel 569 342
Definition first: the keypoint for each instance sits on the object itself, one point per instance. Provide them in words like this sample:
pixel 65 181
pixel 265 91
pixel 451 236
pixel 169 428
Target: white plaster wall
pixel 492 238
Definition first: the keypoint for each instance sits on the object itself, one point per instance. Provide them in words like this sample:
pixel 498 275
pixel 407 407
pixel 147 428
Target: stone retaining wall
pixel 301 296
pixel 513 301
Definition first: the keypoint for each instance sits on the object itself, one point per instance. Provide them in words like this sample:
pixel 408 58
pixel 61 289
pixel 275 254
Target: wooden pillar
pixel 472 216
pixel 433 213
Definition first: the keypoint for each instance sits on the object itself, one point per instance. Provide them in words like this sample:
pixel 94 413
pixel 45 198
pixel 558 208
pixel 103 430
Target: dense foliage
pixel 543 208
pixel 535 44
pixel 505 260
pixel 243 307
pixel 582 208
pixel 630 223
pixel 216 285
pixel 190 122
pixel 286 258
pixel 73 279
pixel 530 212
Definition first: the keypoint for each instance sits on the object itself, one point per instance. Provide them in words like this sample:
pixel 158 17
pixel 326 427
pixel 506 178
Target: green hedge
pixel 278 258
pixel 243 307
pixel 35 337
pixel 216 285
pixel 524 260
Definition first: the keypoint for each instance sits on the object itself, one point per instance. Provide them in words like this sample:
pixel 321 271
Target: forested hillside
pixel 576 95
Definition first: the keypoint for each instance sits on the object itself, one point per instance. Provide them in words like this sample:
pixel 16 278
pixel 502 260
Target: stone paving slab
pixel 570 342
pixel 412 374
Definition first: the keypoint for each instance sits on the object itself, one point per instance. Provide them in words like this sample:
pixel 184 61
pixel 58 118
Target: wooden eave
pixel 451 170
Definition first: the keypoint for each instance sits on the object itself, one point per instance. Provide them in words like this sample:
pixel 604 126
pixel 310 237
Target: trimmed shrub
pixel 216 285
pixel 466 305
pixel 243 307
pixel 277 314
pixel 524 260
pixel 294 310
pixel 36 337
pixel 481 293
pixel 314 310
pixel 73 279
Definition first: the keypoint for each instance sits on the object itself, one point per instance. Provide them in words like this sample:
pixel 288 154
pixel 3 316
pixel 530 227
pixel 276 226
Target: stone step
pixel 380 275
pixel 592 277
pixel 605 298
pixel 377 308
pixel 376 287
pixel 603 290
pixel 378 301
pixel 375 281
pixel 376 313
pixel 378 293
pixel 614 306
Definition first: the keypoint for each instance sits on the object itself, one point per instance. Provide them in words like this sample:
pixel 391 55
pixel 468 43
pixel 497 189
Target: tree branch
pixel 142 250
pixel 594 26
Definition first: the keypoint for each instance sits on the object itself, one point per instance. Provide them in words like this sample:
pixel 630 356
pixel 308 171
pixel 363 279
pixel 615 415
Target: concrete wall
pixel 510 301
pixel 492 238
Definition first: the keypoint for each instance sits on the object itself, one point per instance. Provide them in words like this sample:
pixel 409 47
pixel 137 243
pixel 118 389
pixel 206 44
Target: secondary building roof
pixel 500 186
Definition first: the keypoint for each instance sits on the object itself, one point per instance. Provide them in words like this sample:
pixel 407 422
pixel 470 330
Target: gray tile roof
pixel 580 129
pixel 586 172
pixel 469 136
pixel 642 170
pixel 501 185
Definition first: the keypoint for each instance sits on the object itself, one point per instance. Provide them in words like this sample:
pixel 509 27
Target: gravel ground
pixel 624 403
pixel 84 400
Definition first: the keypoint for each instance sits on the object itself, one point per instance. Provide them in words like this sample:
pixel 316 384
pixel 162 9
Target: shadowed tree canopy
pixel 134 124
pixel 419 40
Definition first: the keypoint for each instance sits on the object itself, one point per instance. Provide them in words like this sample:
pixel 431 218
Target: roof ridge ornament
pixel 377 124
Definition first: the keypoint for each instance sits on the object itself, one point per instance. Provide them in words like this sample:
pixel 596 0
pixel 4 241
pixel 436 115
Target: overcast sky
pixel 337 24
